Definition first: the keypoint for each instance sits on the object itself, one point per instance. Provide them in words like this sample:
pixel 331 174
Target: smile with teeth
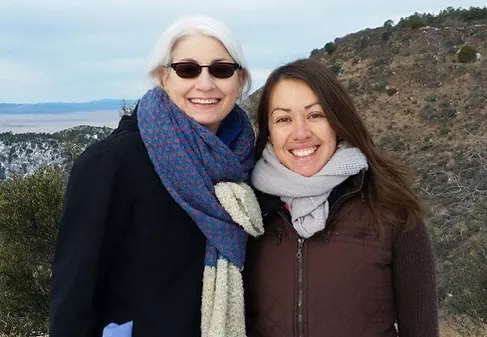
pixel 204 100
pixel 304 152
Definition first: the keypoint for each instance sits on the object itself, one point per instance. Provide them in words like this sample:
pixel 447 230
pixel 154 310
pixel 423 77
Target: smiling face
pixel 302 138
pixel 205 98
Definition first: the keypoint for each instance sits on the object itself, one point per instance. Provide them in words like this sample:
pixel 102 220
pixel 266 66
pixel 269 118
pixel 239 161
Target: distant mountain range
pixel 64 107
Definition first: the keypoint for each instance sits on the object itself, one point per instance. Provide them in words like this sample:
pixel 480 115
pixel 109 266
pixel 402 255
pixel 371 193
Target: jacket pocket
pixel 116 330
pixel 274 234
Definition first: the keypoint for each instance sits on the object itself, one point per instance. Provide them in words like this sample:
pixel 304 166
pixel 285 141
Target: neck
pixel 212 127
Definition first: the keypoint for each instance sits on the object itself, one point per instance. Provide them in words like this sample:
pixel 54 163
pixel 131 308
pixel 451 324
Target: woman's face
pixel 205 98
pixel 302 138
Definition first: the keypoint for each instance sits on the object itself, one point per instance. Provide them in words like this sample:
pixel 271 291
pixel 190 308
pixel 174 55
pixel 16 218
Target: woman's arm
pixel 415 284
pixel 79 243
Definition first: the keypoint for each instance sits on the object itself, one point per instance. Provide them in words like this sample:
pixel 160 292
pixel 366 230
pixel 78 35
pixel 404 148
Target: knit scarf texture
pixel 190 160
pixel 307 197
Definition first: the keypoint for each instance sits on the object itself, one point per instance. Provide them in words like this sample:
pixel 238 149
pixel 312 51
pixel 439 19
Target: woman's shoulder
pixel 110 151
pixel 124 142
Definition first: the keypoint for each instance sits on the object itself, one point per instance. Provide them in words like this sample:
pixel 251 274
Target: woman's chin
pixel 306 170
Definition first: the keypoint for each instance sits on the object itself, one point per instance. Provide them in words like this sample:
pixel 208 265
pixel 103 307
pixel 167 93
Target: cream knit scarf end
pixel 222 306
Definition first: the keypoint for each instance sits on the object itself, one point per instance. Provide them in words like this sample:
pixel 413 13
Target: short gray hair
pixel 193 25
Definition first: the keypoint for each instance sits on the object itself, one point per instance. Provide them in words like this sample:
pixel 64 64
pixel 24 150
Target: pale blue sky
pixel 79 50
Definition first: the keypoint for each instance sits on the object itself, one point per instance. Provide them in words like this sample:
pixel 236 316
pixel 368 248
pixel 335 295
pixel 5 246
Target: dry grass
pixel 460 326
pixel 448 331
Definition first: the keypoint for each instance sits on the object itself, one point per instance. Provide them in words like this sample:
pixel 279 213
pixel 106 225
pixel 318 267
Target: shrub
pixel 353 86
pixel 391 91
pixel 330 48
pixel 30 208
pixel 477 98
pixel 385 36
pixel 381 60
pixel 380 85
pixel 433 114
pixel 337 69
pixel 315 53
pixel 414 21
pixel 388 24
pixel 467 54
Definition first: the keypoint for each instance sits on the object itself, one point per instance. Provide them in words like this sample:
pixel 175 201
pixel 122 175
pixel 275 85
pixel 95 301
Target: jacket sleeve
pixel 415 286
pixel 83 224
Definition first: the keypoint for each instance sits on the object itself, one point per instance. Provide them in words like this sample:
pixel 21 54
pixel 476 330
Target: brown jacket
pixel 345 281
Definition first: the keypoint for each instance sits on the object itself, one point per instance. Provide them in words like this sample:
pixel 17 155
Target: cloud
pixel 215 6
pixel 14 72
pixel 132 66
pixel 71 50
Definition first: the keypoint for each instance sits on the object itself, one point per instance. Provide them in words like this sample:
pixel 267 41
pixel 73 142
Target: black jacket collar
pixel 128 122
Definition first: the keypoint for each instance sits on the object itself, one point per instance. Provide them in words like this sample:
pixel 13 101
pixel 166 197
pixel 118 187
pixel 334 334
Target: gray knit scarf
pixel 307 197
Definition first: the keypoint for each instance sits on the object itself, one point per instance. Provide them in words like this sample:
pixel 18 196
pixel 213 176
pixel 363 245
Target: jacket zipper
pixel 299 257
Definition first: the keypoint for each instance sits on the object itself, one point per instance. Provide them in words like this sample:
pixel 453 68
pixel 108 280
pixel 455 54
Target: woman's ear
pixel 164 73
pixel 242 77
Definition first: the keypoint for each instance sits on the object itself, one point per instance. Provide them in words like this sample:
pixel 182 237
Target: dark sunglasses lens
pixel 222 70
pixel 187 70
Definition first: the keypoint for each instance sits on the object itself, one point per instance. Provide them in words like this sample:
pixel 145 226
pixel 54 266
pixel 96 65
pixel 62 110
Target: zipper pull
pixel 327 236
pixel 299 254
pixel 279 236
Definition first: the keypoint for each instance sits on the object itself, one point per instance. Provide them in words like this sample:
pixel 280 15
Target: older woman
pixel 143 236
pixel 345 250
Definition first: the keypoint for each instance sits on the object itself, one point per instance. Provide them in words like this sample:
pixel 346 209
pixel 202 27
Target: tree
pixel 330 48
pixel 126 108
pixel 388 24
pixel 30 209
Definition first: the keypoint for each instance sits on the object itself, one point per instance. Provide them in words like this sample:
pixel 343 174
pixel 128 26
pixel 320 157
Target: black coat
pixel 126 251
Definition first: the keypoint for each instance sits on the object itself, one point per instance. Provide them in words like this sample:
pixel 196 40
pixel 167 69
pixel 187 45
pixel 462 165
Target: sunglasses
pixel 217 70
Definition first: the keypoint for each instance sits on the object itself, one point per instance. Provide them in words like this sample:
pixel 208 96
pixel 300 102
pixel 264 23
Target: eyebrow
pixel 307 107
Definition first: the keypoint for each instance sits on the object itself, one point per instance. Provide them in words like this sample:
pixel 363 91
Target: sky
pixel 82 50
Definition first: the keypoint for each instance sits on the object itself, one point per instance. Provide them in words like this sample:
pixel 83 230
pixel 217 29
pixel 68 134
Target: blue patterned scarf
pixel 190 160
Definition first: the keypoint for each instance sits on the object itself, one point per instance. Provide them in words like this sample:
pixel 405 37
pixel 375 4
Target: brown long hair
pixel 388 183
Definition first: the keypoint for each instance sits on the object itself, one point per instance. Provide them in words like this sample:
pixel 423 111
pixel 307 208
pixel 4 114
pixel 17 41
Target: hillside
pixel 27 152
pixel 427 108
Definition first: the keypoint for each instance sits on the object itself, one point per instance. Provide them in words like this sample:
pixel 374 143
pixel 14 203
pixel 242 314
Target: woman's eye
pixel 283 120
pixel 317 115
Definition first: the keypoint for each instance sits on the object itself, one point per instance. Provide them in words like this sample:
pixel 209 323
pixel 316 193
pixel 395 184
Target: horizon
pixel 74 102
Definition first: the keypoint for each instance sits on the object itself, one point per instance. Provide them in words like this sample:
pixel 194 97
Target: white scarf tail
pixel 222 305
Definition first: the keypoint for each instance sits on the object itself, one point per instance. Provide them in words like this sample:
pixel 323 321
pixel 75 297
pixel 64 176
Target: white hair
pixel 193 25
